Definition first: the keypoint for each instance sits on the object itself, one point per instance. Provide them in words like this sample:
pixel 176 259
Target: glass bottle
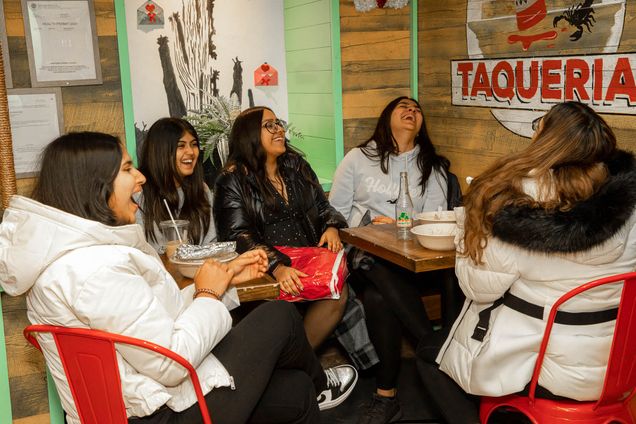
pixel 404 209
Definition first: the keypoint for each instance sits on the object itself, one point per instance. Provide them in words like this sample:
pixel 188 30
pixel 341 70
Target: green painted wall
pixel 312 47
pixel 5 398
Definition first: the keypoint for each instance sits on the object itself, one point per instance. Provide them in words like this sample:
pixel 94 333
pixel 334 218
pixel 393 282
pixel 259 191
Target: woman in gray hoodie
pixel 365 187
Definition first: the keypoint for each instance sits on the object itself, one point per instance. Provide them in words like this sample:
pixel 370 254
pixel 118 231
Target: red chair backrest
pixel 620 376
pixel 91 368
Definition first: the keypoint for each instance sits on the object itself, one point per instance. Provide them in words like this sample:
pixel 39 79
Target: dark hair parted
pixel 77 174
pixel 566 158
pixel 247 154
pixel 158 163
pixel 386 145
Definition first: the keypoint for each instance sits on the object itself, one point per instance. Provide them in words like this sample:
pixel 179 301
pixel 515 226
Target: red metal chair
pixel 617 403
pixel 90 364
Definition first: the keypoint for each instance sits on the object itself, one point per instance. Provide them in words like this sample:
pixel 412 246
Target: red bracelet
pixel 208 291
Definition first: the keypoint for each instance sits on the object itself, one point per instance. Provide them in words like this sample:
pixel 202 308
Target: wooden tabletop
pixel 381 240
pixel 263 288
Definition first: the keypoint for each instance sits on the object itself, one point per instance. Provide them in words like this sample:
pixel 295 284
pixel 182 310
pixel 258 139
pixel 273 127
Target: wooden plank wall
pixel 375 53
pixel 95 108
pixel 470 136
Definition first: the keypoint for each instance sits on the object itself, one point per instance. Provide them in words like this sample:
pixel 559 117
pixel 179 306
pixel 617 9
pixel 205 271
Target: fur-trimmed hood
pixel 589 224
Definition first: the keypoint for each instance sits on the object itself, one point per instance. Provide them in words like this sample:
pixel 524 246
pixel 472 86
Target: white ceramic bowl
pixel 189 268
pixel 436 236
pixel 436 217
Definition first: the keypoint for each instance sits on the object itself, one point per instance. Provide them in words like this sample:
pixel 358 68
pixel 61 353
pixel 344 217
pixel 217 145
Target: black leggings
pixel 276 373
pixel 392 300
pixel 455 405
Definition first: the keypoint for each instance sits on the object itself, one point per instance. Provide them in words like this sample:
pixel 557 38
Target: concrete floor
pixel 411 395
pixel 412 399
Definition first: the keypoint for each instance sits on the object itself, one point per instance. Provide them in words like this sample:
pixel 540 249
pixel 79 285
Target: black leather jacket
pixel 238 208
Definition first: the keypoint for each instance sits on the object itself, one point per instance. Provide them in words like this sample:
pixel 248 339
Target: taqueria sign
pixel 606 82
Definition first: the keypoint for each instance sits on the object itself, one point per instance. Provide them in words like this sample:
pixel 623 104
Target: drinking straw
pixel 165 202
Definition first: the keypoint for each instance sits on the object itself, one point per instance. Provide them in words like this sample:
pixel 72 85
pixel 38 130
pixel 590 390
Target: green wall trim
pixel 55 405
pixel 336 73
pixel 314 90
pixel 5 393
pixel 126 84
pixel 414 51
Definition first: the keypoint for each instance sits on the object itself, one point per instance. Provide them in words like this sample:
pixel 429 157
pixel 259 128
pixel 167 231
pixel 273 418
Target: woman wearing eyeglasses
pixel 267 195
pixel 538 223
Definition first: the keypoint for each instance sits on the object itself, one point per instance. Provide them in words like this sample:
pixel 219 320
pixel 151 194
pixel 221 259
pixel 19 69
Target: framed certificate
pixel 4 46
pixel 36 118
pixel 61 42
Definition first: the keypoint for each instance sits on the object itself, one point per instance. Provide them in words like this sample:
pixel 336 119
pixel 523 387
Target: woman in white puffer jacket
pixel 77 253
pixel 539 223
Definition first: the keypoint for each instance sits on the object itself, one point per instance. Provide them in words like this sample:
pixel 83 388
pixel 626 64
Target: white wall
pixel 249 29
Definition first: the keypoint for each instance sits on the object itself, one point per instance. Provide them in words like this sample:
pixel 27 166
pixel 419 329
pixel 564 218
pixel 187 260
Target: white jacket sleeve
pixel 118 300
pixel 488 281
pixel 343 187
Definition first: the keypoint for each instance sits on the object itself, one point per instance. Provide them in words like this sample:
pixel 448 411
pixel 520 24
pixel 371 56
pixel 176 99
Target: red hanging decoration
pixel 381 3
pixel 150 11
pixel 265 75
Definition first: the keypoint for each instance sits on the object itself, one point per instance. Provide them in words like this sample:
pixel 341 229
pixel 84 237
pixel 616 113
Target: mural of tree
pixel 176 107
pixel 237 83
pixel 195 53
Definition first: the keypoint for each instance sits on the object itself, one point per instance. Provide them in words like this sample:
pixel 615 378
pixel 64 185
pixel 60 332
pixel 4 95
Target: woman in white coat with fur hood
pixel 539 223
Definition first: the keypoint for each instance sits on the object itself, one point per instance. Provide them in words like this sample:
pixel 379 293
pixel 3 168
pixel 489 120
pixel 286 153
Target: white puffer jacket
pixel 80 273
pixel 539 256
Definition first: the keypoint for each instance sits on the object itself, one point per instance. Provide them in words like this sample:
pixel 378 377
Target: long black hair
pixel 248 156
pixel 158 163
pixel 385 145
pixel 77 174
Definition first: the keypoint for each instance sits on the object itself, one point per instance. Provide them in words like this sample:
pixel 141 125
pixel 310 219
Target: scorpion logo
pixel 578 15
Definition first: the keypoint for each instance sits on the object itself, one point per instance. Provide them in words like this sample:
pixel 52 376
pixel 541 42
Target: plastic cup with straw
pixel 173 228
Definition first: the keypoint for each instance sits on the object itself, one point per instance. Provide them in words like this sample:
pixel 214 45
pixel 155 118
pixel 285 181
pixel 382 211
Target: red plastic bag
pixel 326 272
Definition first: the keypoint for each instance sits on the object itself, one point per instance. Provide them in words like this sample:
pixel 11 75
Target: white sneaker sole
pixel 332 404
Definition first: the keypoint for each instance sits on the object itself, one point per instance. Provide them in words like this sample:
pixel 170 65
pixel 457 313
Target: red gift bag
pixel 326 272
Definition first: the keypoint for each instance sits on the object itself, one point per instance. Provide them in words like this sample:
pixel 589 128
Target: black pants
pixel 392 301
pixel 455 405
pixel 276 373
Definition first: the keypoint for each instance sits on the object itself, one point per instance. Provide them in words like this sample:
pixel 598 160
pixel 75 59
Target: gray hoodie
pixel 359 185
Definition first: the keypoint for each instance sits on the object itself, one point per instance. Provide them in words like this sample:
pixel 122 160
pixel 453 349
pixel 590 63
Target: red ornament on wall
pixel 265 75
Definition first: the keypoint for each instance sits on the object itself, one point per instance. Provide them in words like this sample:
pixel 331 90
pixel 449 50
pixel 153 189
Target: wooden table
pixel 380 240
pixel 258 289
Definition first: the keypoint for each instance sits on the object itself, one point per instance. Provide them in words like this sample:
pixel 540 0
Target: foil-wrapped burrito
pixel 191 252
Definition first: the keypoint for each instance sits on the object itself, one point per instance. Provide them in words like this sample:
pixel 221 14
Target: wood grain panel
pixel 368 103
pixel 358 130
pixel 374 44
pixel 25 186
pixel 375 49
pixel 38 419
pixel 29 395
pixel 13 18
pixel 364 75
